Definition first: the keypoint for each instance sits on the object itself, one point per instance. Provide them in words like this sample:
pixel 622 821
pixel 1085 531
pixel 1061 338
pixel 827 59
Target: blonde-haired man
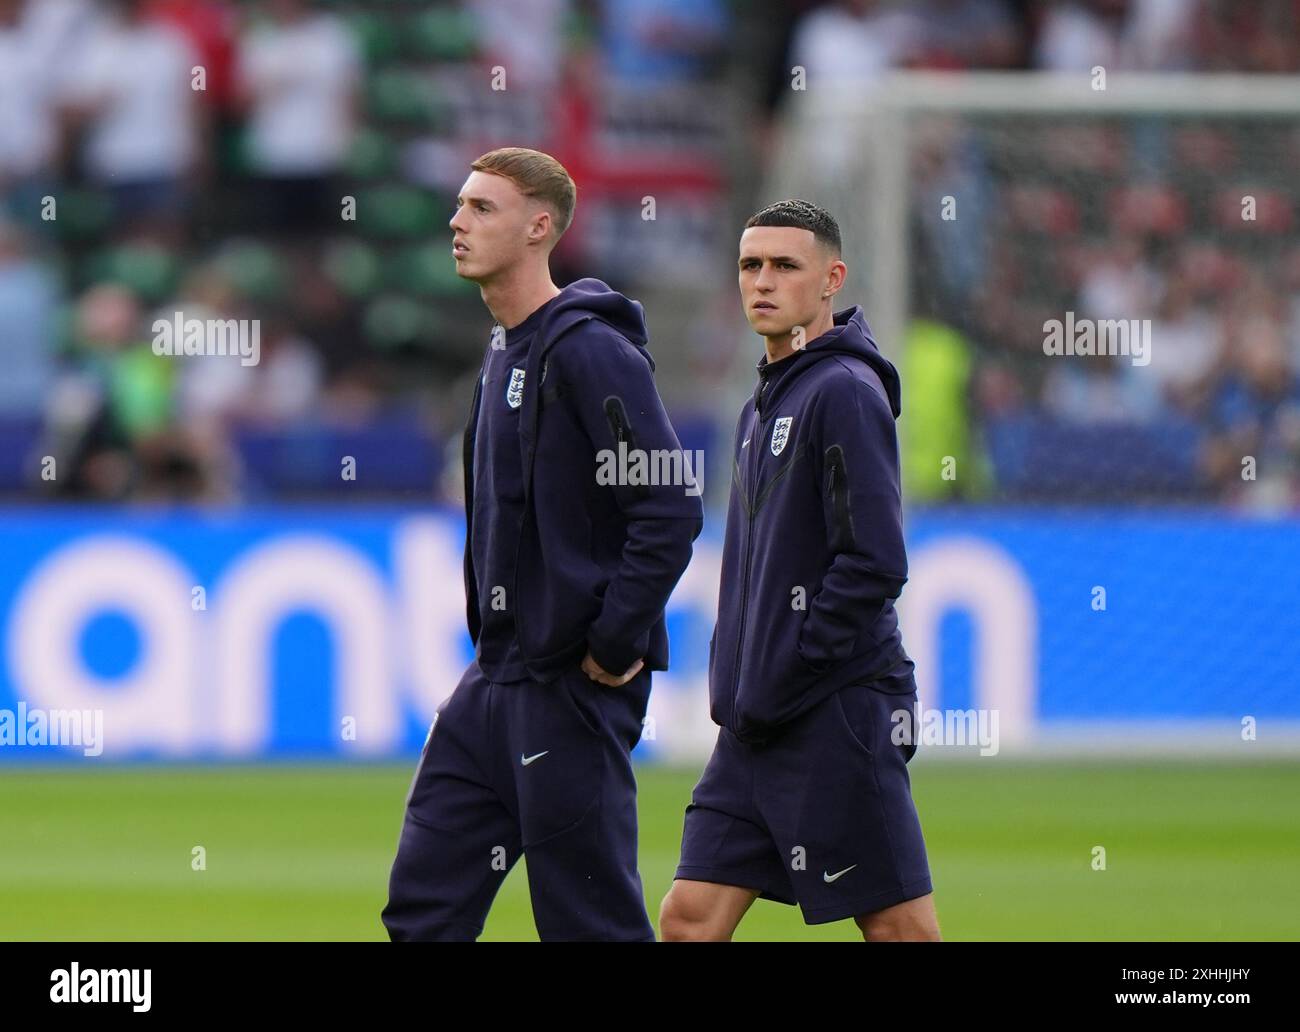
pixel 566 579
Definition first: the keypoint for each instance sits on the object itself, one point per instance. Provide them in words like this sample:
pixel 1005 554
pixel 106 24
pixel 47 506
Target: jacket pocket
pixel 856 706
pixel 877 720
pixel 621 427
pixel 837 489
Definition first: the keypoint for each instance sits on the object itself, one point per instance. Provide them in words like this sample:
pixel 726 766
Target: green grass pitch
pixel 1193 851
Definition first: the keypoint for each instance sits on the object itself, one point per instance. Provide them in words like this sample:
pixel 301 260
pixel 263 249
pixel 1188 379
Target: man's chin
pixel 768 329
pixel 474 273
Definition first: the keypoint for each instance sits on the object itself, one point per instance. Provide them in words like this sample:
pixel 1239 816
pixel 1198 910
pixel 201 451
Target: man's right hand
pixel 599 674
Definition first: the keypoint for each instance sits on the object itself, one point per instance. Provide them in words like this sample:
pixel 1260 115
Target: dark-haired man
pixel 806 797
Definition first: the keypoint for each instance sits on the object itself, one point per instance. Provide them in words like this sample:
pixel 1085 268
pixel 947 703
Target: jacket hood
pixel 591 298
pixel 850 335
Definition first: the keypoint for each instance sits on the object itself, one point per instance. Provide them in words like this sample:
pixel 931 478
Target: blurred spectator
pixel 286 389
pixel 1256 413
pixel 346 344
pixel 852 42
pixel 28 130
pixel 217 394
pixel 1184 347
pixel 281 391
pixel 29 303
pixel 936 430
pixel 300 75
pixel 1092 389
pixel 661 42
pixel 208 391
pixel 114 393
pixel 949 162
pixel 1121 285
pixel 131 86
pixel 1162 35
pixel 526 37
pixel 1078 35
pixel 1263 36
pixel 111 419
pixel 1123 35
pixel 55 29
pixel 210 27
pixel 964 35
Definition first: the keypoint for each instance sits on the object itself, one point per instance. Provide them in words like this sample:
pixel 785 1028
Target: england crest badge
pixel 515 389
pixel 781 434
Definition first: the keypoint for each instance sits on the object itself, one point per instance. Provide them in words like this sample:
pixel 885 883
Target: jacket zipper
pixel 755 436
pixel 467 459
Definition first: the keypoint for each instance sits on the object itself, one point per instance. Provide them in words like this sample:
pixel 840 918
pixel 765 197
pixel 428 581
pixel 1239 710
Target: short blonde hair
pixel 536 175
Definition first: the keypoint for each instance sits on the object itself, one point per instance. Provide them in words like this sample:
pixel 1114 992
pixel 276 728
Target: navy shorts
pixel 820 815
pixel 541 770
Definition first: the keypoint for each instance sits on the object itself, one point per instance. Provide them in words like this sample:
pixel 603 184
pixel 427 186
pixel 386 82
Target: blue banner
pixel 289 633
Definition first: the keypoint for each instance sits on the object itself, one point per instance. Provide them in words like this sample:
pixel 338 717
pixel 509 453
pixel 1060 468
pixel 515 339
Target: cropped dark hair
pixel 801 215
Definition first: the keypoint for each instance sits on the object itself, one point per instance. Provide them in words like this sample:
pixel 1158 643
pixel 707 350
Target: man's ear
pixel 540 227
pixel 836 275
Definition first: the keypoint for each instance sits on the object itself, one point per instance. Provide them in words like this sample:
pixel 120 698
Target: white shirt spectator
pixel 838 47
pixel 525 36
pixel 1161 36
pixel 1073 39
pixel 138 78
pixel 302 76
pixel 283 388
pixel 1183 349
pixel 1121 286
pixel 53 29
pixel 1154 35
pixel 26 121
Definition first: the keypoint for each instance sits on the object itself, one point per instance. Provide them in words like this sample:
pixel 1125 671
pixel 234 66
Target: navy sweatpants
pixel 542 770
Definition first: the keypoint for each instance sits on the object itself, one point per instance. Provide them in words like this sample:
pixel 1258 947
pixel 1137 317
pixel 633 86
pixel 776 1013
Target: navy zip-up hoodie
pixel 814 554
pixel 594 563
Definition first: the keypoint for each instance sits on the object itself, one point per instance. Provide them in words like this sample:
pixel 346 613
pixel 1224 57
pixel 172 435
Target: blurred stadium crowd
pixel 162 155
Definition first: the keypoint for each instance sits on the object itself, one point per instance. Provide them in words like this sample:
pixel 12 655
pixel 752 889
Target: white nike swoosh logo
pixel 526 760
pixel 747 440
pixel 828 878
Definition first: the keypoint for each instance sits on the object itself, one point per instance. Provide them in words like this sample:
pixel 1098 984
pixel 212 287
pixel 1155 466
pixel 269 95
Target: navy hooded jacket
pixel 594 563
pixel 814 555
